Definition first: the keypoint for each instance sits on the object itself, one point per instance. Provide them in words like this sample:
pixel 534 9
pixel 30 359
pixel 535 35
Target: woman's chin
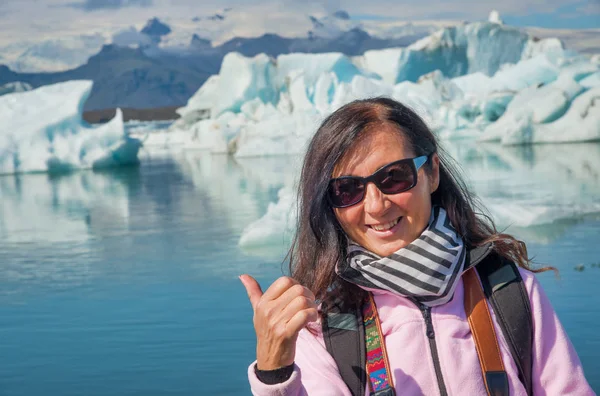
pixel 387 248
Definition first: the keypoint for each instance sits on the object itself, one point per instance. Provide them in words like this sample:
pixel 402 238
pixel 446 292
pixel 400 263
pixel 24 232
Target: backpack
pixel 344 333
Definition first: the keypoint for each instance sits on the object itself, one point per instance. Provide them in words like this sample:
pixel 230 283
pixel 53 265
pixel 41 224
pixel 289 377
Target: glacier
pixel 43 131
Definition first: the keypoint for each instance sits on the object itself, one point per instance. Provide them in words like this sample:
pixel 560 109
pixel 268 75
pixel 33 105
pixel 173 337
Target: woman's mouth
pixel 386 226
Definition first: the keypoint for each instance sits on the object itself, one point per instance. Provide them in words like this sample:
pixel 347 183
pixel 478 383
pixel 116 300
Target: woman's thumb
pixel 252 288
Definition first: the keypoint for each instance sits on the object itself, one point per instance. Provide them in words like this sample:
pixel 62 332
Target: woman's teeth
pixel 386 226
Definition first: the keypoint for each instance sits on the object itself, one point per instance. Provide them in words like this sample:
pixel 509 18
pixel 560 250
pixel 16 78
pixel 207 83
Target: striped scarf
pixel 426 270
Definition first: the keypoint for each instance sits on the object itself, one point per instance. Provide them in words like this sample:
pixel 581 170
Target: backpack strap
pixel 344 335
pixel 484 335
pixel 504 289
pixel 378 366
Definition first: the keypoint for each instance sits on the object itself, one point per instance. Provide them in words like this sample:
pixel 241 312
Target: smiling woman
pixel 391 250
pixel 384 220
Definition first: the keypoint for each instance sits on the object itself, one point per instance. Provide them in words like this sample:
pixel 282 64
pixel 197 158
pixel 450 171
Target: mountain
pixel 162 77
pixel 154 27
pixel 126 77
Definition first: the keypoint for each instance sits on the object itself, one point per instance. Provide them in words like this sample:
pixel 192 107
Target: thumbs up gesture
pixel 279 315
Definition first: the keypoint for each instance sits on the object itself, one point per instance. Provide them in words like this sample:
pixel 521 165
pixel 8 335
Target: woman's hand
pixel 279 315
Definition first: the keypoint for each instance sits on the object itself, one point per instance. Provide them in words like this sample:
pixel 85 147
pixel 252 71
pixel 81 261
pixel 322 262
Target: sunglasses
pixel 392 178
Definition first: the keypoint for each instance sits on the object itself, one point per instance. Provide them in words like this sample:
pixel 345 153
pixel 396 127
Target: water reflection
pixel 186 210
pixel 538 191
pixel 191 208
pixel 42 209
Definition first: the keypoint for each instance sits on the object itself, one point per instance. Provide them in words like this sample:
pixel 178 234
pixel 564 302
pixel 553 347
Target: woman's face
pixel 384 223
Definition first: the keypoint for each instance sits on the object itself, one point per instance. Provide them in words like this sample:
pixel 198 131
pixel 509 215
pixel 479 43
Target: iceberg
pixel 482 81
pixel 455 51
pixel 495 17
pixel 581 123
pixel 314 65
pixel 277 225
pixel 591 81
pixel 240 79
pixel 550 114
pixel 43 131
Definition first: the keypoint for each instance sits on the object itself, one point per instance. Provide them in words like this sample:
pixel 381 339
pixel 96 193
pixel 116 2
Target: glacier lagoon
pixel 124 282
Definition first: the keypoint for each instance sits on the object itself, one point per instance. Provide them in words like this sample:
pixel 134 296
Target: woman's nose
pixel 375 201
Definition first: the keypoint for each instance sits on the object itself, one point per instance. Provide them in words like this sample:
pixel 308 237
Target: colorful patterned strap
pixel 378 367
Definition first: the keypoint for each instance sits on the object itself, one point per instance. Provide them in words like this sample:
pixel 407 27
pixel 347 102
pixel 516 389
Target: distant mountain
pixel 199 43
pixel 151 76
pixel 341 14
pixel 351 43
pixel 126 77
pixel 154 27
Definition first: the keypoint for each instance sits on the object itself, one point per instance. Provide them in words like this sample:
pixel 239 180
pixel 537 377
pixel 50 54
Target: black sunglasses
pixel 392 178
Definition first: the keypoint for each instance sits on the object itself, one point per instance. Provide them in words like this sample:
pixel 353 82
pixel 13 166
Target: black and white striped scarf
pixel 426 270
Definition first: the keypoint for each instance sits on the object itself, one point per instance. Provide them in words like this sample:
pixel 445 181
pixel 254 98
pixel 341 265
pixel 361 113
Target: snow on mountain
pixel 40 53
pixel 52 55
pixel 42 131
pixel 331 26
pixel 130 37
pixel 68 52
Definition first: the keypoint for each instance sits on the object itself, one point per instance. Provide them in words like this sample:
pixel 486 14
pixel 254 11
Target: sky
pixel 24 19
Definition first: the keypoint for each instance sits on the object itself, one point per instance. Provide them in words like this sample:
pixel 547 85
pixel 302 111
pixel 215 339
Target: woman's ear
pixel 434 176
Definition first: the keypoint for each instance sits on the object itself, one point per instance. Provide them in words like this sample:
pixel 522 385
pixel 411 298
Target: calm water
pixel 125 283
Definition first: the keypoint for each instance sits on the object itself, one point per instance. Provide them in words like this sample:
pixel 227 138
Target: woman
pixel 382 213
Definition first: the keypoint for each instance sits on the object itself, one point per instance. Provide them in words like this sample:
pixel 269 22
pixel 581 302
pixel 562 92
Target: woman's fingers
pixel 299 303
pixel 292 293
pixel 280 286
pixel 252 288
pixel 301 319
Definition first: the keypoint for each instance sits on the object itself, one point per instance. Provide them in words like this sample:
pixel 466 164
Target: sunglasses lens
pixel 346 191
pixel 396 178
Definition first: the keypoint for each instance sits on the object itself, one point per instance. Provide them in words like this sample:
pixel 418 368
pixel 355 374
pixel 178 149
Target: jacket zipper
pixel 426 312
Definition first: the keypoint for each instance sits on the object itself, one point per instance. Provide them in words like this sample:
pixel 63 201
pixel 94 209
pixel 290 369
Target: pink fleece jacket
pixel 556 366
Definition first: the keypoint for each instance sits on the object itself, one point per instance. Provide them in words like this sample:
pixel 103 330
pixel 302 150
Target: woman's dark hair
pixel 320 243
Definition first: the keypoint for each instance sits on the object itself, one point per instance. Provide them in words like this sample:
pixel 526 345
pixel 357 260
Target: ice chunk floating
pixel 43 131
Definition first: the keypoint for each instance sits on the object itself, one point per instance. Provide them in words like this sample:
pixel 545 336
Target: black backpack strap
pixel 344 336
pixel 504 288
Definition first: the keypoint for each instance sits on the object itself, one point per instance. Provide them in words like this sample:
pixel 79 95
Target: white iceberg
pixel 43 131
pixel 314 65
pixel 276 226
pixel 550 114
pixel 591 81
pixel 495 17
pixel 581 123
pixel 455 51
